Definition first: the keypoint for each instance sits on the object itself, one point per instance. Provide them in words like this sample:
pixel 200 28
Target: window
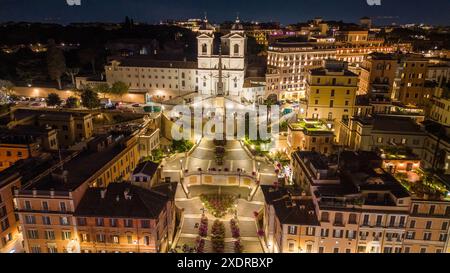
pixel 49 235
pixel 427 236
pixel 113 222
pixel 337 233
pixel 100 238
pixel 147 240
pixel 429 224
pixel 366 220
pixel 336 250
pixel 46 220
pixel 324 232
pixel 128 223
pixel 85 237
pixel 432 209
pixel 350 234
pixel 145 224
pixel 204 49
pixel 379 140
pixel 410 235
pixel 130 239
pixel 443 237
pixel 332 93
pixel 444 226
pixel 352 218
pixel 45 206
pixel 338 219
pixel 291 247
pixel 100 222
pixel 62 207
pixel 331 103
pixel 392 221
pixel 402 221
pixel 30 219
pixel 52 249
pixel 81 221
pixel 35 249
pixel 310 231
pixel 292 230
pixel 27 205
pixel 415 209
pixel 33 234
pixel 236 49
pixel 321 249
pixel 64 221
pixel 115 239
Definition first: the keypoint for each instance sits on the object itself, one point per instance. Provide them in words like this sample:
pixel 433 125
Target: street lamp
pixel 259 166
pixel 181 164
pixel 235 211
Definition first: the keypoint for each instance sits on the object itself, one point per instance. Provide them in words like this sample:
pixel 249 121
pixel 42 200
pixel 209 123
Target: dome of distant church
pixel 206 25
pixel 237 25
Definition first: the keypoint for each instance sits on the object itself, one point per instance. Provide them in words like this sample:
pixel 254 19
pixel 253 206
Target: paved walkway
pixel 192 216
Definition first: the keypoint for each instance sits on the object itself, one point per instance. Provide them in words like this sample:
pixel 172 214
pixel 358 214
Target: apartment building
pixel 123 218
pixel 11 180
pixel 288 64
pixel 378 132
pixel 149 141
pixel 9 228
pixel 71 127
pixel 436 151
pixel 359 209
pixel 331 92
pixel 46 204
pixel 440 106
pixel 24 142
pixel 378 73
pixel 13 150
pixel 427 230
pixel 411 88
pixel 310 135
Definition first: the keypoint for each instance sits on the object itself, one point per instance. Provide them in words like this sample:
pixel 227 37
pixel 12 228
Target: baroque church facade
pixel 173 78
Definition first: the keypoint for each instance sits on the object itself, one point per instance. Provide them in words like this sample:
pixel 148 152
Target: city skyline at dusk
pixel 285 11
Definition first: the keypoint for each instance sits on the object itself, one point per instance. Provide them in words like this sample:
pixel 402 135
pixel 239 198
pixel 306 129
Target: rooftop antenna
pixel 237 17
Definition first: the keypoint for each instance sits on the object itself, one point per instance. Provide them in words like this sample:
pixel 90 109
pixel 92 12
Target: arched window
pixel 236 49
pixel 204 49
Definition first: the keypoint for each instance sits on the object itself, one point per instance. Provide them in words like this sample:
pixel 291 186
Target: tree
pixel 6 87
pixel 72 102
pixel 119 89
pixel 56 63
pixel 72 72
pixel 30 70
pixel 102 88
pixel 88 56
pixel 53 100
pixel 89 99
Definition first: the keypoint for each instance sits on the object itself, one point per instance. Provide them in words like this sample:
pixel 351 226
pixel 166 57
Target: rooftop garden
pixel 427 186
pixel 397 153
pixel 310 125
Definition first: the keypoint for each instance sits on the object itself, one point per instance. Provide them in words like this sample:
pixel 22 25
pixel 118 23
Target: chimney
pixel 103 193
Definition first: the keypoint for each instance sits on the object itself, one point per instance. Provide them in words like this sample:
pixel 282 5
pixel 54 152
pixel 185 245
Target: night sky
pixel 284 11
